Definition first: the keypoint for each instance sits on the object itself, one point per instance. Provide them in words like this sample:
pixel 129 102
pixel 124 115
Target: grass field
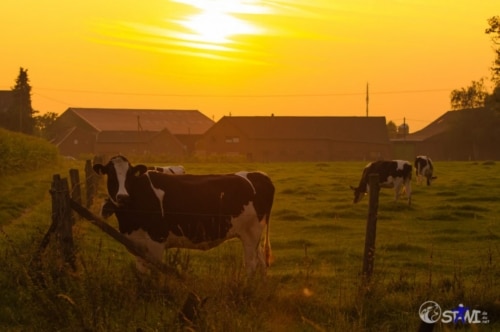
pixel 444 247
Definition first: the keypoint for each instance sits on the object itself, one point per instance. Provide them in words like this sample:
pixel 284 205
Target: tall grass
pixel 444 248
pixel 22 153
pixel 24 163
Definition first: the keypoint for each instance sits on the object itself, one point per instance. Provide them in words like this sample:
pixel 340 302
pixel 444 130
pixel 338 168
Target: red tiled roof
pixel 338 128
pixel 177 122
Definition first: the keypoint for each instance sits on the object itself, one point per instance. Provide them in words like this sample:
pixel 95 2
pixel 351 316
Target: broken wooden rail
pixel 111 231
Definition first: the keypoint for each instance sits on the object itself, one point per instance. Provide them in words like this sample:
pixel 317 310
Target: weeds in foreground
pixel 104 295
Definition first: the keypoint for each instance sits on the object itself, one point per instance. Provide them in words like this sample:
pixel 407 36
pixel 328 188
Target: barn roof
pixel 338 128
pixel 443 124
pixel 177 122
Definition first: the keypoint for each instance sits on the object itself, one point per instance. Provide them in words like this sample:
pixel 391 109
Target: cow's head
pixel 358 194
pixel 119 171
pixel 430 179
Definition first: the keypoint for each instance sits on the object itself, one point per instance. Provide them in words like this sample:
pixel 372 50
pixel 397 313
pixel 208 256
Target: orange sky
pixel 295 57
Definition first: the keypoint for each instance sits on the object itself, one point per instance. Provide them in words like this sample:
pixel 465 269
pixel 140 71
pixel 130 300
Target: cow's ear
pixel 139 170
pixel 99 169
pixel 353 188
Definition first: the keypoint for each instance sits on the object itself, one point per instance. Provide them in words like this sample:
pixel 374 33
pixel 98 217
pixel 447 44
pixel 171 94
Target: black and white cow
pixel 108 207
pixel 159 211
pixel 424 169
pixel 392 174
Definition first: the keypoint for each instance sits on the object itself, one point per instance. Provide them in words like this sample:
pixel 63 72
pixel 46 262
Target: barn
pixel 296 138
pixel 469 134
pixel 104 131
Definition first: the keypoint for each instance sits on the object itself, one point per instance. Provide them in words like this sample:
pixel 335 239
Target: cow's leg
pixel 398 186
pixel 248 228
pixel 408 190
pixel 254 257
pixel 397 190
pixel 428 177
pixel 251 256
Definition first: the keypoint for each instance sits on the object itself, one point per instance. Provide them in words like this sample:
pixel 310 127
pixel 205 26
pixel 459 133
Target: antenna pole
pixel 367 99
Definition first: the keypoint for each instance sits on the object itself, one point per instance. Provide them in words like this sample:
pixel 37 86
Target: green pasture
pixel 444 247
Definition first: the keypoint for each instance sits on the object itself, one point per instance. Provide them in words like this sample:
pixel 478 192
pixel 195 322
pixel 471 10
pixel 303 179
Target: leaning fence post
pixel 371 227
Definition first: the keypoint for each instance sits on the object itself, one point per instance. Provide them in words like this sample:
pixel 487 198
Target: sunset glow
pixel 249 57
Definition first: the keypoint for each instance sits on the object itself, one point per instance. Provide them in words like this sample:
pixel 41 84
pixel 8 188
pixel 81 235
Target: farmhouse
pixel 469 134
pixel 101 131
pixel 301 138
pixel 6 99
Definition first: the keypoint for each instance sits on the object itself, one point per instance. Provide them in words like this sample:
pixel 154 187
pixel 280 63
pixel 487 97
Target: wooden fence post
pixel 61 218
pixel 61 225
pixel 76 188
pixel 91 181
pixel 371 227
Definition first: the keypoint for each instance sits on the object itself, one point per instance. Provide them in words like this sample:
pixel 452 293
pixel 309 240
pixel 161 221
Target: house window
pixel 232 139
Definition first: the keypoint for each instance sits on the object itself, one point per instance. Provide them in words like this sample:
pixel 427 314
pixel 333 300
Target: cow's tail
pixel 267 243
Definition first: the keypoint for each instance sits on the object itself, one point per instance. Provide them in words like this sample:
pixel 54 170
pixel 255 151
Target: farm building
pixel 6 99
pixel 470 134
pixel 102 131
pixel 300 138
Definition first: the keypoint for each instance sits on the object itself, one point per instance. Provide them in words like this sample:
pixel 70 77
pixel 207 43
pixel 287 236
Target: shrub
pixel 22 153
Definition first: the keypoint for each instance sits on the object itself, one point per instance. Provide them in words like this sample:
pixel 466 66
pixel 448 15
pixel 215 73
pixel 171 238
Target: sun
pixel 221 30
pixel 214 26
pixel 218 21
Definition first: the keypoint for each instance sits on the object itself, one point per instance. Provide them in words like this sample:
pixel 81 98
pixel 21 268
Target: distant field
pixel 445 248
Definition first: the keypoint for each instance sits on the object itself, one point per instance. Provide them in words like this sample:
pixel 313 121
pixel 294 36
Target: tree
pixel 494 30
pixel 493 100
pixel 44 125
pixel 19 115
pixel 392 129
pixel 471 97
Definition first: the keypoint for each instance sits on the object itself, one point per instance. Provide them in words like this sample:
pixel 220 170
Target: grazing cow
pixel 159 211
pixel 424 169
pixel 392 174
